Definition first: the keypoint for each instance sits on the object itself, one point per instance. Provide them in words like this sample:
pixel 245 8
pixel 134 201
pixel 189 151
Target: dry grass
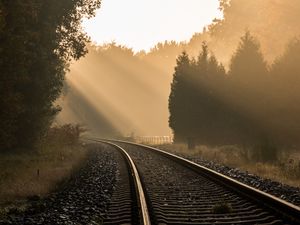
pixel 286 170
pixel 24 174
pixel 36 173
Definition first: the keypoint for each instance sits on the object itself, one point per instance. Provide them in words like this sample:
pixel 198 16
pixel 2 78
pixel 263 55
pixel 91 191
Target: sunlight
pixel 140 24
pixel 128 102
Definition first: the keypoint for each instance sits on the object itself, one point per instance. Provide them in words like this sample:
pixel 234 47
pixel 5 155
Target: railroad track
pixel 128 203
pixel 173 190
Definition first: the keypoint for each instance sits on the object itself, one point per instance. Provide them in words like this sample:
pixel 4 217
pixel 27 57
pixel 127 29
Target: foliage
pixel 249 105
pixel 248 83
pixel 285 83
pixel 33 174
pixel 178 105
pixel 192 104
pixel 248 64
pixel 67 134
pixel 38 39
pixel 265 151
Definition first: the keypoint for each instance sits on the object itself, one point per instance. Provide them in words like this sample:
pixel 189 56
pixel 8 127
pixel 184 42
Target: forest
pixel 250 104
pixel 253 102
pixel 74 110
pixel 115 91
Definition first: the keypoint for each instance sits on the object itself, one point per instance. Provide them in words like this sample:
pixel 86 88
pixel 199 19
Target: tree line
pixel 251 103
pixel 38 39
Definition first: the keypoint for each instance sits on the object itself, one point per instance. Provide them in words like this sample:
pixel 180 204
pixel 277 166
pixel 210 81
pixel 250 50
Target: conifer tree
pixel 210 75
pixel 247 66
pixel 285 95
pixel 194 102
pixel 178 99
pixel 248 75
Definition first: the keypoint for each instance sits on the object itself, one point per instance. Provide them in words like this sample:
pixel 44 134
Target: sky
pixel 140 24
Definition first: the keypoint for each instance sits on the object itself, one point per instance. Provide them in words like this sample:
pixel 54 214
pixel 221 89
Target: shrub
pixel 67 134
pixel 265 151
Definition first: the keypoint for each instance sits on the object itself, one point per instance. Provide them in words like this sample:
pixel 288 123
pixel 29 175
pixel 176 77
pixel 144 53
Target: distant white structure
pixel 154 140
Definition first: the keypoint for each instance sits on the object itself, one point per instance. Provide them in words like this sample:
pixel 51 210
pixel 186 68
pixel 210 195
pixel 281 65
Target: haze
pixel 116 89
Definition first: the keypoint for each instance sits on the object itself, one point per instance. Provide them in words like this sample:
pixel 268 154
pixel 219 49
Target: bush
pixel 265 151
pixel 67 134
pixel 291 167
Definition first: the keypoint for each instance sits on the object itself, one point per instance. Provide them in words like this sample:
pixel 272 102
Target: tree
pixel 248 75
pixel 285 73
pixel 178 99
pixel 247 65
pixel 38 40
pixel 194 101
pixel 209 76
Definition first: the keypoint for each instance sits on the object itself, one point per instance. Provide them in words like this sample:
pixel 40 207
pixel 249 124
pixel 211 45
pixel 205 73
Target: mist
pixel 129 91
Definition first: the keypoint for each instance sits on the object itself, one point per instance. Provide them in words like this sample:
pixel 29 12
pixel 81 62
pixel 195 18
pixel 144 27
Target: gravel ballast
pixel 179 195
pixel 283 191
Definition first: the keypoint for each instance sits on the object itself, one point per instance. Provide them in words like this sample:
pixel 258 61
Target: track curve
pixel 197 191
pixel 128 203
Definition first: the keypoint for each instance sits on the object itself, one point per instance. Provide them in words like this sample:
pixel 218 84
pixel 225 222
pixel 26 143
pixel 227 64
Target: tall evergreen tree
pixel 251 105
pixel 210 76
pixel 248 75
pixel 178 99
pixel 285 98
pixel 247 66
pixel 194 102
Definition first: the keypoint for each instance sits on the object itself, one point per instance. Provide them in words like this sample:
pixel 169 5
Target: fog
pixel 273 22
pixel 116 91
pixel 129 93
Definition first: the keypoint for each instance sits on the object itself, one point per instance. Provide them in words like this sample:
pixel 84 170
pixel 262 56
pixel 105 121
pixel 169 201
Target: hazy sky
pixel 140 24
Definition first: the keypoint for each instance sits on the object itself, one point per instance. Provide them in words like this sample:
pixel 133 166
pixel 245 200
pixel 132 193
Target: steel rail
pixel 286 209
pixel 142 204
